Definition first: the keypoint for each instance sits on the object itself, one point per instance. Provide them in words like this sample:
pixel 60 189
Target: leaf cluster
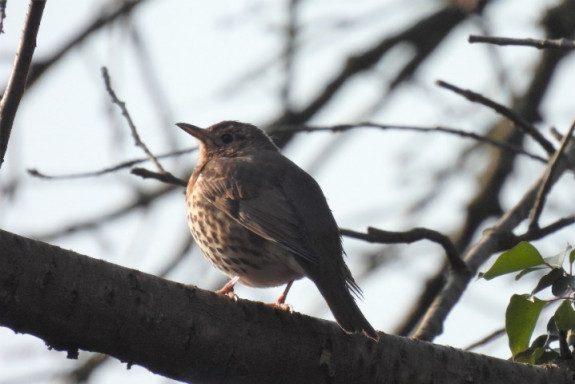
pixel 524 310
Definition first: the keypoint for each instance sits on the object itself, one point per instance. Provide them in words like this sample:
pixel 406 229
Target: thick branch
pixel 75 302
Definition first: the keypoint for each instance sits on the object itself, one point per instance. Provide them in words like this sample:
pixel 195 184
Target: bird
pixel 264 222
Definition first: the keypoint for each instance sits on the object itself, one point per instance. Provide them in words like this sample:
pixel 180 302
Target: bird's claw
pixel 281 306
pixel 228 289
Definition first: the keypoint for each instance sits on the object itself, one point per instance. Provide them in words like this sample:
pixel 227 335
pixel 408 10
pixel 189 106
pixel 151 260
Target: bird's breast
pixel 234 249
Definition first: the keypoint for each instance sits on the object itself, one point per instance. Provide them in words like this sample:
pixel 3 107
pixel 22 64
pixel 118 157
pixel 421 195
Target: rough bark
pixel 74 302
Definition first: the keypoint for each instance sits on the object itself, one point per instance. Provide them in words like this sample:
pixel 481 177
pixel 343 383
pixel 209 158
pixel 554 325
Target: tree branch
pixel 563 44
pixel 137 140
pixel 74 302
pixel 417 36
pixel 141 199
pixel 105 17
pixel 499 237
pixel 17 82
pixel 519 121
pixel 485 203
pixel 546 186
pixel 165 177
pixel 375 235
pixel 125 164
pixel 450 131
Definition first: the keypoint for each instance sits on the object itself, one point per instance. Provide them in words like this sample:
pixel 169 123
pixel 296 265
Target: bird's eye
pixel 227 138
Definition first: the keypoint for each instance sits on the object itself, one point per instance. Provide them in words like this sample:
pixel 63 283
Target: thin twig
pixel 418 37
pixel 336 128
pixel 125 113
pixel 17 82
pixel 151 80
pixel 487 339
pixel 126 164
pixel 2 14
pixel 549 175
pixel 451 131
pixel 519 121
pixel 563 44
pixel 432 323
pixel 165 177
pixel 289 54
pixel 375 235
pixel 110 13
pixel 141 199
pixel 539 233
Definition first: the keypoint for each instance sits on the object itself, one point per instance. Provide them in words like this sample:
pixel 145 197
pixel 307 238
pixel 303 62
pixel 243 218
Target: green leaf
pixel 530 355
pixel 572 256
pixel 565 316
pixel 520 257
pixel 547 357
pixel 548 280
pixel 520 319
pixel 540 342
pixel 529 270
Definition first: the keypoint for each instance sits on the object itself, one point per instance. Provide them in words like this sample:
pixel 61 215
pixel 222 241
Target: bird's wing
pixel 263 197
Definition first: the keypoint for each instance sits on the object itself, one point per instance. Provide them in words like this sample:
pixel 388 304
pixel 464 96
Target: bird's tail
pixel 344 308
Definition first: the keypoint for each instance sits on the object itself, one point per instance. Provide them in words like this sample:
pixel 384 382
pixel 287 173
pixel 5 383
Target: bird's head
pixel 229 139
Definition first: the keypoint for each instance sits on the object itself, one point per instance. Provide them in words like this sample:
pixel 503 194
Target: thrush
pixel 264 222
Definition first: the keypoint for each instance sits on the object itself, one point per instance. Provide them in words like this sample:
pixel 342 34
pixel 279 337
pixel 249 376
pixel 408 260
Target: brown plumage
pixel 264 222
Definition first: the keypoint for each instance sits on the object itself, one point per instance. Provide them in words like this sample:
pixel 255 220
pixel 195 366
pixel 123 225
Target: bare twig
pixel 487 339
pixel 165 177
pixel 289 53
pixel 375 235
pixel 486 202
pixel 125 113
pixel 114 168
pixel 539 233
pixel 451 131
pixel 563 44
pixel 432 323
pixel 556 134
pixel 441 22
pixel 151 80
pixel 142 199
pixel 2 14
pixel 549 175
pixel 519 121
pixel 17 82
pixel 103 18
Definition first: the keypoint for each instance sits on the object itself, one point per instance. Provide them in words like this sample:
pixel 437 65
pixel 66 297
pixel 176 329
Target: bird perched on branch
pixel 265 222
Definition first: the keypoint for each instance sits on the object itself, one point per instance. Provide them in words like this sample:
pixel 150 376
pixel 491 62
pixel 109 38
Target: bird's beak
pixel 197 132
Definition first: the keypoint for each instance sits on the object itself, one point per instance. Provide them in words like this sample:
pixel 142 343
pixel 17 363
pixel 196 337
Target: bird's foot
pixel 281 306
pixel 228 289
pixel 280 302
